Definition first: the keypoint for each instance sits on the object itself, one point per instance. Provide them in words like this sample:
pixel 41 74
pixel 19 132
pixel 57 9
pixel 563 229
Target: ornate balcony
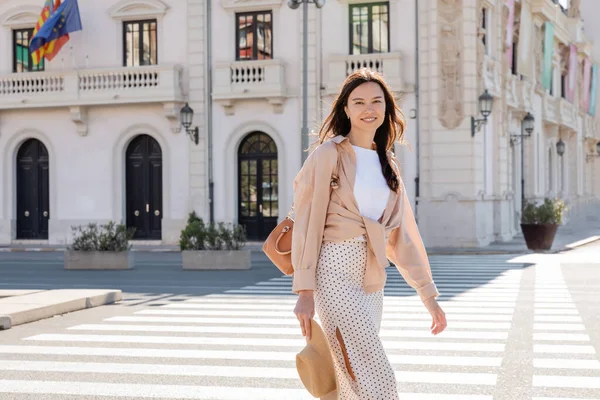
pixel 79 89
pixel 550 109
pixel 388 64
pixel 589 127
pixel 246 80
pixel 568 114
pixel 525 91
pixel 91 87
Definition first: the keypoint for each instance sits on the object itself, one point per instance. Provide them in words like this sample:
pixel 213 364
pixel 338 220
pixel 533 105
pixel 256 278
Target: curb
pixel 27 308
pixel 254 247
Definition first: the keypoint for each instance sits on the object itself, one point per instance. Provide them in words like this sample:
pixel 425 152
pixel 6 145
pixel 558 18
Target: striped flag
pixel 50 49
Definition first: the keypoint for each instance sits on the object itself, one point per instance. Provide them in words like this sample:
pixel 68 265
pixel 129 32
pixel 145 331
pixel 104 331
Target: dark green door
pixel 258 185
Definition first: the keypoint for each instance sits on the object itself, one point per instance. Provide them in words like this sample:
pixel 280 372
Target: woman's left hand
pixel 438 323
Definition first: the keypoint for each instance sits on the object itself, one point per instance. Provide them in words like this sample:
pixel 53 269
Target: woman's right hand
pixel 438 317
pixel 305 311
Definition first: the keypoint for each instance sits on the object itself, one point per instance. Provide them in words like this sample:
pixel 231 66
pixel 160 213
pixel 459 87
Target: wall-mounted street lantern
pixel 560 147
pixel 486 102
pixel 187 117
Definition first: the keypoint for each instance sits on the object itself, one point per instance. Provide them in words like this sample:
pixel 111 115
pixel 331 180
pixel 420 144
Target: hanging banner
pixel 548 50
pixel 524 64
pixel 572 74
pixel 508 44
pixel 585 90
pixel 593 90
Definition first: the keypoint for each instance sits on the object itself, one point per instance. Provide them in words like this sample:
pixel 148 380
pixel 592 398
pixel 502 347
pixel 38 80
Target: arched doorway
pixel 258 185
pixel 143 182
pixel 33 191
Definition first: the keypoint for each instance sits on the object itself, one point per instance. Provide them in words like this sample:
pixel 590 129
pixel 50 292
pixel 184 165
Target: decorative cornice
pixel 20 17
pixel 250 5
pixel 127 9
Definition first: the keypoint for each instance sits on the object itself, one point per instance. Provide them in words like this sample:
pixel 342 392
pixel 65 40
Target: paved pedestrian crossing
pixel 241 344
pixel 565 362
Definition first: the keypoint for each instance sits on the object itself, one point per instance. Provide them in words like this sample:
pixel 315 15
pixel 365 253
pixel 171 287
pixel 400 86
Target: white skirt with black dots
pixel 351 320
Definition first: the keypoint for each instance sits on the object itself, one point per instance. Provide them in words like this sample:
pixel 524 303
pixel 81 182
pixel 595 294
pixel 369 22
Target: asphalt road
pixel 519 328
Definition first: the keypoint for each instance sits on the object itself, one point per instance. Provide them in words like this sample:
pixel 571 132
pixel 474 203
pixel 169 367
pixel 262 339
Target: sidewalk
pixel 19 307
pixel 567 237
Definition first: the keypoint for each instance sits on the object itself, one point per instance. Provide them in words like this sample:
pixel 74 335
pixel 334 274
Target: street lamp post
pixel 294 4
pixel 527 126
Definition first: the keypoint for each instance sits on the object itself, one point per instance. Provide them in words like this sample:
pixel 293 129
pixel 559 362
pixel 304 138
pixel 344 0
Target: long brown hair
pixel 390 131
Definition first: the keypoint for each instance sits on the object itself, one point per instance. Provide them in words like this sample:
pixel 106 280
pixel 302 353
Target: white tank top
pixel 370 187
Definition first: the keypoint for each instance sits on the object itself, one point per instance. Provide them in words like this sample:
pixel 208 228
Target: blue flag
pixel 64 20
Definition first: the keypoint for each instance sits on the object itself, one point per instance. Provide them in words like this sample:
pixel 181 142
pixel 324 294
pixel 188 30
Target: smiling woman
pixel 345 230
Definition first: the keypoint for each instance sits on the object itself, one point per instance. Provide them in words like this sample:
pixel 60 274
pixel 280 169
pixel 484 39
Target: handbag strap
pixel 336 174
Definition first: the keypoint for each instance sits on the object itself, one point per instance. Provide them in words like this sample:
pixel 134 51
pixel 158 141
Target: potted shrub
pixel 100 247
pixel 213 247
pixel 539 223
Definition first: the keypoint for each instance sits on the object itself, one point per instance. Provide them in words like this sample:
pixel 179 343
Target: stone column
pixel 198 191
pixel 452 210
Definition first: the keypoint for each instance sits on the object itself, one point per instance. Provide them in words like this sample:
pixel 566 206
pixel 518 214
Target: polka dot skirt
pixel 351 320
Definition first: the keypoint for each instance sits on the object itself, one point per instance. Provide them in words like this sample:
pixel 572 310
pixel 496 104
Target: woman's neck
pixel 362 139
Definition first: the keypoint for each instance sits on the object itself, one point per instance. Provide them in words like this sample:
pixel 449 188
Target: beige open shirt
pixel 319 217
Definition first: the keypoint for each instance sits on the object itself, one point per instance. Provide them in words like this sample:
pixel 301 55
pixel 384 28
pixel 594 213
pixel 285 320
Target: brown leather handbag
pixel 278 246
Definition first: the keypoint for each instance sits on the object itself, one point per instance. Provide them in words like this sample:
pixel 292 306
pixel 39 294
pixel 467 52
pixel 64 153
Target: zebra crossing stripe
pixel 137 390
pixel 151 391
pixel 448 307
pixel 400 333
pixel 567 363
pixel 233 355
pixel 387 301
pixel 564 337
pixel 389 316
pixel 562 348
pixel 579 382
pixel 293 322
pixel 229 371
pixel 269 342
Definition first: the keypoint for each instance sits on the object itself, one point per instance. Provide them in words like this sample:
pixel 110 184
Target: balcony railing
pixel 259 79
pixel 91 87
pixel 551 109
pixel 388 64
pixel 589 127
pixel 525 89
pixel 568 114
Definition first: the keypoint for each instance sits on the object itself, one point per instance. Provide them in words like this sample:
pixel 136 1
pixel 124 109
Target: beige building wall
pixel 471 193
pixel 465 189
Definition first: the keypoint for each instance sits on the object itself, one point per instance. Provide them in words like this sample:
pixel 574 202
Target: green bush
pixel 109 237
pixel 551 211
pixel 200 236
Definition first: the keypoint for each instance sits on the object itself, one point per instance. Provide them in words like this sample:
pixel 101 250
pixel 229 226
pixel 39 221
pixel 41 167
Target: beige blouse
pixel 320 217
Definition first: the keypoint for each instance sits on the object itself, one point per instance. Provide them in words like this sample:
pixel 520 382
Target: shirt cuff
pixel 304 279
pixel 428 291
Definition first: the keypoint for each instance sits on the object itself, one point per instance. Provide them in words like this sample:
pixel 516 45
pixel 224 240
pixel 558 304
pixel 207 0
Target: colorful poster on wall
pixel 524 57
pixel 572 74
pixel 593 90
pixel 548 50
pixel 509 30
pixel 585 90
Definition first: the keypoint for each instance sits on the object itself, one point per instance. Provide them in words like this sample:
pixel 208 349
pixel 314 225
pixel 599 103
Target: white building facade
pixel 96 135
